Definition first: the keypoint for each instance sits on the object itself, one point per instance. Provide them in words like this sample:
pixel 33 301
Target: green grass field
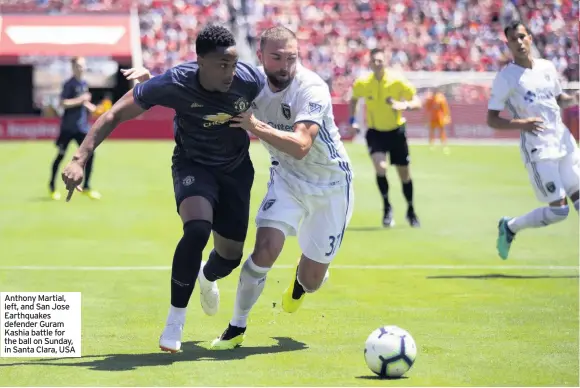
pixel 477 320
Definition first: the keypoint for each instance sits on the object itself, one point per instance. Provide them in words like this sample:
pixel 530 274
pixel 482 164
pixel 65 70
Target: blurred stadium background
pixel 453 44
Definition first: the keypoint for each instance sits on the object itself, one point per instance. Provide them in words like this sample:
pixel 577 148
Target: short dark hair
pixel 376 51
pixel 512 26
pixel 212 37
pixel 277 33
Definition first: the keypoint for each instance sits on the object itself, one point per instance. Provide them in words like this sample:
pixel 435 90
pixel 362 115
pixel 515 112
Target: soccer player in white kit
pixel 310 190
pixel 530 89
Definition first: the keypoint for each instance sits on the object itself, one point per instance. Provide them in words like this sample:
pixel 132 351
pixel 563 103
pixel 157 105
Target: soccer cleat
pixel 231 338
pixel 209 293
pixel 413 220
pixel 504 238
pixel 388 221
pixel 170 340
pixel 55 195
pixel 292 297
pixel 92 194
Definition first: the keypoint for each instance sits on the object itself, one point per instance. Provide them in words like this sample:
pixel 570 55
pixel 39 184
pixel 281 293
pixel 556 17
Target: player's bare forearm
pixel 496 122
pixel 295 144
pixel 73 102
pixel 123 110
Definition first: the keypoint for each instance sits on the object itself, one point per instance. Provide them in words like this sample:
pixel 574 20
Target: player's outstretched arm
pixel 296 144
pixel 123 110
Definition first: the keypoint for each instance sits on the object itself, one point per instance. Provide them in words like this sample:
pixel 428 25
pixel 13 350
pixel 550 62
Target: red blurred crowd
pixel 335 35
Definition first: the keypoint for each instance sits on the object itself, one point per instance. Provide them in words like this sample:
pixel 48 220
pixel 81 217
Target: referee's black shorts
pixel 393 142
pixel 66 136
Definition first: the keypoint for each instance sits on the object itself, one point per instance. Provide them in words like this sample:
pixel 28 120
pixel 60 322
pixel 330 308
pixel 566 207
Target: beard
pixel 278 83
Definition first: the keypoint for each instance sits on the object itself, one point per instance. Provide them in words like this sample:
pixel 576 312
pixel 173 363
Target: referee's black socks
pixel 187 261
pixel 384 189
pixel 408 193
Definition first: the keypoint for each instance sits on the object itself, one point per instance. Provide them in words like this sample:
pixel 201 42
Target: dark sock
pixel 217 267
pixel 187 260
pixel 232 331
pixel 384 189
pixel 408 192
pixel 55 166
pixel 88 172
pixel 298 290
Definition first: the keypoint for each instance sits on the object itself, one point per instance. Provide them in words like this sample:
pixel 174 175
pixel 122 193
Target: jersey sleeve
pixel 313 104
pixel 156 91
pixel 408 91
pixel 499 93
pixel 357 89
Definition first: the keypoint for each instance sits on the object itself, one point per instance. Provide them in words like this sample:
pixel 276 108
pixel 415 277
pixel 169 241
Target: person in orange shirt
pixel 439 116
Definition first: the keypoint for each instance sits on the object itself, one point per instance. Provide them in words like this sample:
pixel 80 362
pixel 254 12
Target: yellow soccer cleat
pixel 289 304
pixel 92 194
pixel 54 195
pixel 231 338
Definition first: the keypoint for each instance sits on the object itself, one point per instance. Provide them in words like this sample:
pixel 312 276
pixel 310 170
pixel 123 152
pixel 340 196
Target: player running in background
pixel 439 117
pixel 387 94
pixel 211 168
pixel 530 89
pixel 76 101
pixel 310 190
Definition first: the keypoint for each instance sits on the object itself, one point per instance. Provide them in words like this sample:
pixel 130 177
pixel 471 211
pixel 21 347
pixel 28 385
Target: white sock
pixel 539 217
pixel 250 287
pixel 176 314
pixel 576 202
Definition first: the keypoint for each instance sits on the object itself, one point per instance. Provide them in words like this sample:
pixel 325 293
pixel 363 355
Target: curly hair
pixel 212 37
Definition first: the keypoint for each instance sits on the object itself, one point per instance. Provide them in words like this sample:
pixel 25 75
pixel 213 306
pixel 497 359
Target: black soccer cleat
pixel 413 220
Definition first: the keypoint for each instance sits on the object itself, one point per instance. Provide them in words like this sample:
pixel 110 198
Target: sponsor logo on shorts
pixel 268 204
pixel 551 187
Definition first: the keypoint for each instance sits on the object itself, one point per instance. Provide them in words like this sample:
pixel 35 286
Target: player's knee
pixel 266 251
pixel 197 232
pixel 557 214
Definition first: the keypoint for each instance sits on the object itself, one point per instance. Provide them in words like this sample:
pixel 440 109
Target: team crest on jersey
pixel 241 104
pixel 551 187
pixel 314 107
pixel 286 111
pixel 268 204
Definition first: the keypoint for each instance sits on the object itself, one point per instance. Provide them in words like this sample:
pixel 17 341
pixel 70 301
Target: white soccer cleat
pixel 209 293
pixel 170 340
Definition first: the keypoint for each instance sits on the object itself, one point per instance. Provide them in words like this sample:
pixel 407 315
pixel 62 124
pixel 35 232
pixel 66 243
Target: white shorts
pixel 319 221
pixel 555 179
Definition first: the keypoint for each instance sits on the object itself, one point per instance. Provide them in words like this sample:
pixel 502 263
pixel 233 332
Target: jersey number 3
pixel 334 244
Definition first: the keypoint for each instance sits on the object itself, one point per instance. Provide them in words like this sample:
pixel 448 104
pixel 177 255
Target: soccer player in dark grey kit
pixel 76 101
pixel 212 170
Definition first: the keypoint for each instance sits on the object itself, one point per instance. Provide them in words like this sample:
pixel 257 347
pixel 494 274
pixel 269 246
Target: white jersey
pixel 532 93
pixel 307 98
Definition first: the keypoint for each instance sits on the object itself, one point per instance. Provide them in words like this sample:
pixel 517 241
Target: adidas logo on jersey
pixel 196 105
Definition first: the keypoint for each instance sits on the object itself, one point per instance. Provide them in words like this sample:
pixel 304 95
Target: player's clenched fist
pixel 72 176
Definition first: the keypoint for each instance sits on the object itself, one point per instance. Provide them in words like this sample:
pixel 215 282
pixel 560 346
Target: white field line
pixel 283 266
